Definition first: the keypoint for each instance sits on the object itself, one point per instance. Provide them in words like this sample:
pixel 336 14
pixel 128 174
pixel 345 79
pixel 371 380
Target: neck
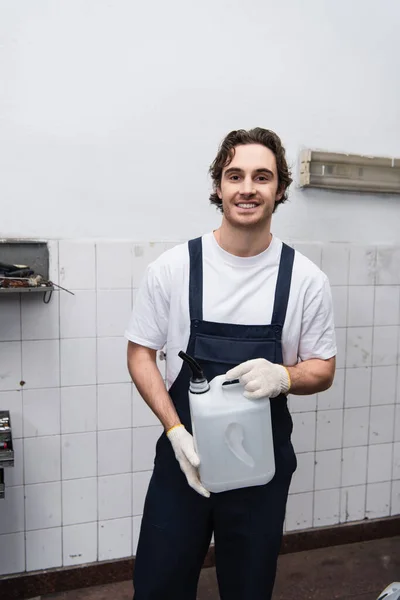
pixel 243 241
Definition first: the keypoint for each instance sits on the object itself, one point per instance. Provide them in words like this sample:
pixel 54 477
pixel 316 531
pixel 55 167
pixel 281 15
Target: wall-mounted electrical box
pixel 349 172
pixel 6 447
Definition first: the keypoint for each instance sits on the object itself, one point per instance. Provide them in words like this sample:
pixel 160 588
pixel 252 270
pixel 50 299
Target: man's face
pixel 249 186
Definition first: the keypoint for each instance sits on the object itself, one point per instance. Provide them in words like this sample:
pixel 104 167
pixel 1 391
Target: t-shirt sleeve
pixel 148 324
pixel 317 339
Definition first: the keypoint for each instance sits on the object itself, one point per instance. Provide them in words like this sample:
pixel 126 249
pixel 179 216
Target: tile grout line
pixel 396 409
pixel 97 406
pixel 23 437
pixel 344 384
pixel 370 379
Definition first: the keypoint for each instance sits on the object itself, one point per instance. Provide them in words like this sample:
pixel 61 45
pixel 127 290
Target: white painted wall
pixel 112 111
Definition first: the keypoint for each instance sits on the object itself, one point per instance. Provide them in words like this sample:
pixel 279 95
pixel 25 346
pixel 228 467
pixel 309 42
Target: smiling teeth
pixel 247 205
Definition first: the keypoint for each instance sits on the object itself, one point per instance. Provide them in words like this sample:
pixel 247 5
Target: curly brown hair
pixel 240 137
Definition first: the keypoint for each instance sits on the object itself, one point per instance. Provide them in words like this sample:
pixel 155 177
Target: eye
pixel 262 178
pixel 234 177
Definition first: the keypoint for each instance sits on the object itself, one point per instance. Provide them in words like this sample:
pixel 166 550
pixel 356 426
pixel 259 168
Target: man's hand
pixel 183 446
pixel 261 378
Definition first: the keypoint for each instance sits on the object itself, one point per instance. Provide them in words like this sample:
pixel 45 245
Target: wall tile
pixel 383 385
pixel 354 466
pixel 387 305
pixel 12 553
pixel 381 424
pixel 352 503
pixel 43 549
pixel 115 538
pixel 335 263
pixel 136 525
pixel 358 387
pixel 334 397
pixel 385 346
pixel 52 246
pixel 303 403
pixel 79 455
pixel 379 463
pixel 144 444
pixel 10 318
pixel 12 401
pixel 359 347
pixel 78 314
pixel 361 306
pixel 362 265
pixel 140 484
pixel 78 362
pixel 329 429
pixel 111 360
pixel 15 476
pixel 378 500
pixel 12 513
pixel 312 251
pixel 143 255
pixel 41 412
pixel 355 427
pixel 10 365
pixel 396 461
pixel 304 429
pixel 115 452
pixel 303 477
pixel 395 501
pixel 341 342
pixel 78 409
pixel 113 311
pixel 77 265
pixel 142 415
pixel 40 321
pixel 397 424
pixel 115 496
pixel 299 511
pixel 326 508
pixel 388 265
pixel 43 505
pixel 79 544
pixel 79 501
pixel 114 265
pixel 327 469
pixel 339 298
pixel 42 459
pixel 114 406
pixel 41 364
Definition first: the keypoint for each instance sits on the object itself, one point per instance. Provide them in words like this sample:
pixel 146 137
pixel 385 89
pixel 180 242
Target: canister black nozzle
pixel 197 373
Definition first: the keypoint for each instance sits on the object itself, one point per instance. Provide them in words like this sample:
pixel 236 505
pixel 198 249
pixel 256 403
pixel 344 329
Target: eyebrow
pixel 238 170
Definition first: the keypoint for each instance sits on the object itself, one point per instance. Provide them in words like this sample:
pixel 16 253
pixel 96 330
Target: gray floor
pixel 352 572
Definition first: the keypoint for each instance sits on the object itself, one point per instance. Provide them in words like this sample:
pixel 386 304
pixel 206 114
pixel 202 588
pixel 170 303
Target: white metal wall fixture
pixel 350 172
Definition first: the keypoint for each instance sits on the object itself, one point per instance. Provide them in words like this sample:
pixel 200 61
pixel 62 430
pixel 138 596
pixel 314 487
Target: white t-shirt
pixel 235 290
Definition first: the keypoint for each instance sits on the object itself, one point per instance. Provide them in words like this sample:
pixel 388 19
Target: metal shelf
pixel 22 290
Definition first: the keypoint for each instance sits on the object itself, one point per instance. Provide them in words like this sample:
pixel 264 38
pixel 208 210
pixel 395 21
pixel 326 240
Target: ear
pixel 219 193
pixel 279 194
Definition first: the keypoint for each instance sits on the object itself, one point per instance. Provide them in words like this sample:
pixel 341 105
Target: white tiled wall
pixel 347 438
pixel 84 439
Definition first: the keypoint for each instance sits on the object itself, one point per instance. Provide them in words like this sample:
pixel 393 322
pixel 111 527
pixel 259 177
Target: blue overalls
pixel 247 523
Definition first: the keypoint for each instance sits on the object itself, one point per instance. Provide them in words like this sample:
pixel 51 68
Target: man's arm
pixel 261 378
pixel 146 376
pixel 312 376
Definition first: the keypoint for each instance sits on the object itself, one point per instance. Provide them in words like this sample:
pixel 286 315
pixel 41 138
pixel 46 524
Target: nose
pixel 247 188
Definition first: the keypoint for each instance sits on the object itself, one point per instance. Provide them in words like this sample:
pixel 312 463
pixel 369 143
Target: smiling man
pixel 246 305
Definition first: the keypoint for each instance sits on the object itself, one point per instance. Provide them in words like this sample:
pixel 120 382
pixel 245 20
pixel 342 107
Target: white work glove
pixel 261 378
pixel 183 446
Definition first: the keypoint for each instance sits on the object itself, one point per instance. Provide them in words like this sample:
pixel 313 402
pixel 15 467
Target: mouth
pixel 246 205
